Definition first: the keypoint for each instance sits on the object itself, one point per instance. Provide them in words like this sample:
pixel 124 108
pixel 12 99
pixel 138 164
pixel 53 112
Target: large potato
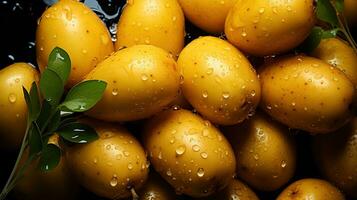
pixel 189 153
pixel 78 30
pixel 306 93
pixel 110 166
pixel 156 22
pixel 218 80
pixel 315 189
pixel 336 155
pixel 142 80
pixel 265 153
pixel 209 15
pixel 265 27
pixel 13 108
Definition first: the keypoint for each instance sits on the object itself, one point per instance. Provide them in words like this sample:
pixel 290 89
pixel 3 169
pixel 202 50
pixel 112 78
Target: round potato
pixel 79 31
pixel 336 155
pixel 306 93
pixel 189 153
pixel 219 81
pixel 156 189
pixel 156 22
pixel 56 184
pixel 141 79
pixel 110 166
pixel 209 15
pixel 266 27
pixel 311 189
pixel 265 153
pixel 12 103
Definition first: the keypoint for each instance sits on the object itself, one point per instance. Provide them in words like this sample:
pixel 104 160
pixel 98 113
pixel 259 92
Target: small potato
pixel 311 189
pixel 219 81
pixel 306 93
pixel 189 153
pixel 265 153
pixel 78 30
pixel 156 189
pixel 156 22
pixel 336 155
pixel 13 108
pixel 56 184
pixel 209 15
pixel 266 27
pixel 141 79
pixel 110 166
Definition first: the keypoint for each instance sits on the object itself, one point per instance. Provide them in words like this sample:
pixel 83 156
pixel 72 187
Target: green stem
pixel 6 189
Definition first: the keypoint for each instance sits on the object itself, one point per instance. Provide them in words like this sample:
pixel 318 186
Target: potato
pixel 110 166
pixel 236 190
pixel 350 12
pixel 55 185
pixel 13 106
pixel 209 15
pixel 219 81
pixel 79 31
pixel 142 80
pixel 336 155
pixel 156 189
pixel 265 153
pixel 266 27
pixel 189 153
pixel 306 93
pixel 311 189
pixel 156 22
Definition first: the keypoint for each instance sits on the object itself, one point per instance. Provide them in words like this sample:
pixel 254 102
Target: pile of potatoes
pixel 200 117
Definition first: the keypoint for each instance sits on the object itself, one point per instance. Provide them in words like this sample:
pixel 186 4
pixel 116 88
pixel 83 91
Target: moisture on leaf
pixel 77 133
pixel 50 157
pixel 51 87
pixel 60 63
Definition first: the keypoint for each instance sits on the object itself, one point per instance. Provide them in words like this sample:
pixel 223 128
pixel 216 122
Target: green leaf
pixel 339 5
pixel 84 96
pixel 35 140
pixel 54 122
pixel 313 40
pixel 35 101
pixel 50 157
pixel 326 12
pixel 51 86
pixel 77 133
pixel 60 63
pixel 66 121
pixel 330 33
pixel 44 114
pixel 27 99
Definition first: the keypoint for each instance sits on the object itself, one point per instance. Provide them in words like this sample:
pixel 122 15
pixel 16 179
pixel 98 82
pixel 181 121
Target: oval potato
pixel 219 81
pixel 306 93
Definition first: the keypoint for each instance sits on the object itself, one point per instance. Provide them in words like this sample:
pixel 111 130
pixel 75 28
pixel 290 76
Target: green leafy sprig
pixel 331 13
pixel 53 115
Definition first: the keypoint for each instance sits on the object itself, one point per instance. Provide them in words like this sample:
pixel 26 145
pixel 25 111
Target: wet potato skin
pixel 75 28
pixel 156 189
pixel 209 15
pixel 265 152
pixel 156 22
pixel 13 117
pixel 219 81
pixel 267 27
pixel 306 93
pixel 315 189
pixel 189 153
pixel 110 166
pixel 141 81
pixel 336 154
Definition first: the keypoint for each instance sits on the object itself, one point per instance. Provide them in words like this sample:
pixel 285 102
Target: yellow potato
pixel 209 15
pixel 189 153
pixel 142 80
pixel 266 27
pixel 350 7
pixel 12 103
pixel 336 155
pixel 110 166
pixel 219 81
pixel 156 189
pixel 311 189
pixel 55 185
pixel 156 22
pixel 75 28
pixel 265 153
pixel 306 93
